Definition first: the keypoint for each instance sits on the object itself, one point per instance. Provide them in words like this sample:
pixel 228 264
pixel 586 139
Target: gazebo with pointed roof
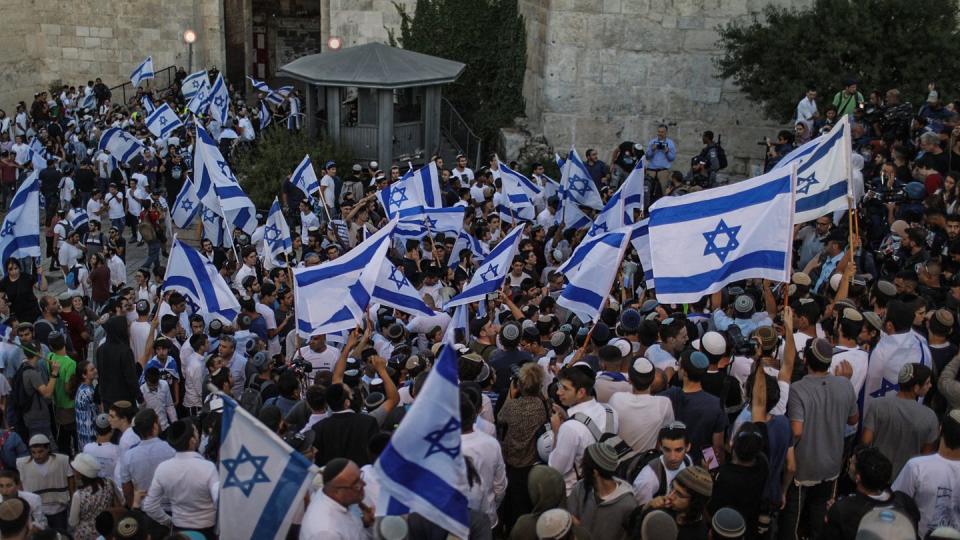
pixel 380 101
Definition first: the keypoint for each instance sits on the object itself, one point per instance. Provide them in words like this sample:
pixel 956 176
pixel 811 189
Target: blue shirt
pixel 169 368
pixel 827 269
pixel 722 321
pixel 660 159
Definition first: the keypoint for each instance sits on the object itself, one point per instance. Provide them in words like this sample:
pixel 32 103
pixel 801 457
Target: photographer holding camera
pixel 661 152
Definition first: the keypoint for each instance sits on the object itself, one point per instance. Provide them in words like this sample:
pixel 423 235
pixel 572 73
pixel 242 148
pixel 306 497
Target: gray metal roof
pixel 373 65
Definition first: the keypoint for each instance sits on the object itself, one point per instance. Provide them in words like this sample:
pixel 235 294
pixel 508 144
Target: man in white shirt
pixel 71 252
pixel 655 478
pixel 898 346
pixel 249 267
pixel 121 419
pixel 807 107
pixel 329 514
pixel 641 415
pixel 571 434
pixel 193 372
pixel 116 209
pixel 95 206
pixel 9 488
pixel 140 328
pixel 485 453
pixel 187 483
pixel 247 132
pixel 320 355
pixel 673 338
pixel 328 186
pixel 848 327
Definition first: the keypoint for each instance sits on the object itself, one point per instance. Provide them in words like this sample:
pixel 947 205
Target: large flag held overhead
pixel 702 241
pixel 277 96
pixel 577 183
pixel 217 188
pixel 632 189
pixel 20 231
pixel 304 178
pixel 142 72
pixel 514 202
pixel 276 236
pixel 520 181
pixel 490 275
pixel 185 206
pixel 334 295
pixel 422 468
pixel 419 222
pixel 120 144
pixel 823 172
pixel 219 100
pixel 422 188
pixel 200 281
pixel 393 289
pixel 262 480
pixel 200 100
pixel 193 83
pixel 590 273
pixel 162 121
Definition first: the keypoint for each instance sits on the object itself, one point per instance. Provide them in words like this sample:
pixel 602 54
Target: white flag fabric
pixel 265 115
pixel 200 100
pixel 640 239
pixel 305 178
pixel 217 188
pixel 823 172
pixel 199 280
pixel 422 468
pixel 147 104
pixel 120 144
pixel 334 295
pixel 632 189
pixel 577 183
pixel 514 202
pixel 162 121
pixel 701 241
pixel 590 273
pixel 142 72
pixel 393 289
pixel 490 275
pixel 466 241
pixel 20 231
pixel 193 83
pixel 522 182
pixel 277 96
pixel 262 480
pixel 421 188
pixel 419 221
pixel 259 85
pixel 276 236
pixel 185 206
pixel 219 100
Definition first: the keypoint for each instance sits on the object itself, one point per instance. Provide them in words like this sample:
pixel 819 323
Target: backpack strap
pixel 608 421
pixel 587 421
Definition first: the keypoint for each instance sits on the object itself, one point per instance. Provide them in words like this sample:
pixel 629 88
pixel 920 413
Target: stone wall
pixel 45 42
pixel 295 37
pixel 363 21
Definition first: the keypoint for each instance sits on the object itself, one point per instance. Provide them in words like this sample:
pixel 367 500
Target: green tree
pixel 883 44
pixel 264 169
pixel 488 36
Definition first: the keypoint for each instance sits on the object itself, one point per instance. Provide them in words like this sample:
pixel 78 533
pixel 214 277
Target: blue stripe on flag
pixel 822 150
pixel 720 205
pixel 283 496
pixel 425 484
pixel 823 198
pixel 759 259
pixel 581 295
pixel 413 305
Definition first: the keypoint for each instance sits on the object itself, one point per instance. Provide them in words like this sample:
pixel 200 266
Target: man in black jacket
pixel 345 433
pixel 116 365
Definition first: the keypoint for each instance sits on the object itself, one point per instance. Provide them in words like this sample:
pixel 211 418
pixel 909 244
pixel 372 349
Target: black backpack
pixel 630 469
pixel 251 398
pixel 721 155
pixel 20 400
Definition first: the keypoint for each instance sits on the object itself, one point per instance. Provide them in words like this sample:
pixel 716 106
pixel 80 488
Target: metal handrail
pixel 169 74
pixel 459 133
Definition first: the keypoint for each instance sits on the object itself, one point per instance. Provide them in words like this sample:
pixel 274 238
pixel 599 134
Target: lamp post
pixel 334 43
pixel 189 36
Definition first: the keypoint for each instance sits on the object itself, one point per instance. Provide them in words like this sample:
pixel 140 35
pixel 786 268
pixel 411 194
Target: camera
pixel 660 145
pixel 885 196
pixel 740 345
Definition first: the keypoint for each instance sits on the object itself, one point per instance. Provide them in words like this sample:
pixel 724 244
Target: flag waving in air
pixel 162 121
pixel 823 173
pixel 20 231
pixel 577 183
pixel 421 188
pixel 200 281
pixel 142 72
pixel 276 236
pixel 490 275
pixel 120 144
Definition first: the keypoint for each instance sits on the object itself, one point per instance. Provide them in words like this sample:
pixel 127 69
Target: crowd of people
pixel 827 407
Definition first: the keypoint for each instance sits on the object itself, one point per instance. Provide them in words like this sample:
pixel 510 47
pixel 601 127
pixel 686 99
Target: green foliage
pixel 275 155
pixel 490 37
pixel 882 43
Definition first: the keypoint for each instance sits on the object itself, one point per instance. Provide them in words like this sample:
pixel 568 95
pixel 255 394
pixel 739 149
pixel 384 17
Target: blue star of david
pixel 805 183
pixel 398 196
pixel 194 307
pixel 209 215
pixel 429 223
pixel 196 84
pixel 7 229
pixel 232 465
pixel 186 204
pixel 599 228
pixel 225 169
pixel 721 251
pixel 397 278
pixel 435 438
pixel 218 101
pixel 272 233
pixel 885 388
pixel 575 181
pixel 163 120
pixel 492 269
pixel 124 137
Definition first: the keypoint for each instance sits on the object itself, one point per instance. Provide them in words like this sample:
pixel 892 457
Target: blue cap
pixel 699 360
pixel 329 164
pixel 630 320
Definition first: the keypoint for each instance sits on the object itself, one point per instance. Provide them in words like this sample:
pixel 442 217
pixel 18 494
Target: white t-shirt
pixel 67 190
pixel 106 455
pixel 321 361
pixel 647 483
pixel 115 205
pixel 329 189
pixel 934 484
pixel 138 338
pixel 93 210
pixel 273 347
pixel 69 255
pixel 641 417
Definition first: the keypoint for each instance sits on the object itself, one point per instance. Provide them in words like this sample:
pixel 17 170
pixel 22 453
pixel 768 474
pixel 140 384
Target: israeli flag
pixel 20 231
pixel 89 101
pixel 120 144
pixel 422 188
pixel 147 104
pixel 640 239
pixel 265 115
pixel 422 468
pixel 392 289
pixel 334 295
pixel 185 206
pixel 215 228
pixel 521 182
pixel 219 100
pixel 590 273
pixel 466 241
pixel 162 121
pixel 201 98
pixel 419 222
pixel 277 96
pixel 632 190
pixel 490 275
pixel 702 241
pixel 823 173
pixel 78 218
pixel 38 155
pixel 577 184
pixel 276 236
pixel 262 480
pixel 459 321
pixel 259 85
pixel 216 186
pixel 513 203
pixel 193 83
pixel 305 179
pixel 612 217
pixel 199 280
pixel 571 216
pixel 143 72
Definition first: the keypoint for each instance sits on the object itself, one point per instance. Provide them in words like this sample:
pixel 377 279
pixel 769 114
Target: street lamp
pixel 334 43
pixel 189 36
